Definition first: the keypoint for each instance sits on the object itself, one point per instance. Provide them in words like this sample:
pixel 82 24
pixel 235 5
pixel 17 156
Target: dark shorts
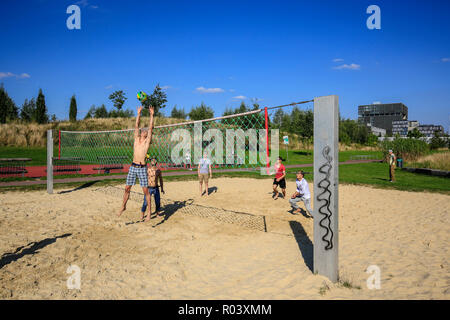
pixel 281 183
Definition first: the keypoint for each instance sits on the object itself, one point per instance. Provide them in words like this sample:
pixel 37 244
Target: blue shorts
pixel 141 173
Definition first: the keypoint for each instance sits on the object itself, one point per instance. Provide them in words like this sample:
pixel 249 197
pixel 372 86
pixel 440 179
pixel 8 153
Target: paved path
pixel 166 173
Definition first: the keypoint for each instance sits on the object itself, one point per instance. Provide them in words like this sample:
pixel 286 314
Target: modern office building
pixel 381 115
pixel 428 129
pixel 379 132
pixel 402 127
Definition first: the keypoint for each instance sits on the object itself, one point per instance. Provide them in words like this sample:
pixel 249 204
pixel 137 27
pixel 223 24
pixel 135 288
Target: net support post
pixel 326 182
pixel 49 161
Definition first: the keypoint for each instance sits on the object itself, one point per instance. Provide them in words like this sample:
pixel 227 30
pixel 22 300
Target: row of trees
pixel 32 110
pixel 301 122
pixel 158 99
pixel 35 109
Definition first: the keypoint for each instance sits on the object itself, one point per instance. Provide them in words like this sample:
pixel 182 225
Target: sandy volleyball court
pixel 187 255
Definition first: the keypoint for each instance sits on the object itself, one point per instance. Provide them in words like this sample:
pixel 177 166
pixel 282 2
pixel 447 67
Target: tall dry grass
pixel 439 161
pixel 19 134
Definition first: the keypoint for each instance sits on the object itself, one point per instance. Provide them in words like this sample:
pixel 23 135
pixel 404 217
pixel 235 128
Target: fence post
pixel 49 161
pixel 326 181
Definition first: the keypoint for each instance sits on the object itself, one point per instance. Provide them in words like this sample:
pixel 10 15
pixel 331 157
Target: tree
pixel 73 109
pixel 101 112
pixel 178 113
pixel 228 112
pixel 41 109
pixel 438 141
pixel 415 133
pixel 201 112
pixel 157 99
pixel 90 113
pixel 28 111
pixel 118 99
pixel 278 118
pixel 8 109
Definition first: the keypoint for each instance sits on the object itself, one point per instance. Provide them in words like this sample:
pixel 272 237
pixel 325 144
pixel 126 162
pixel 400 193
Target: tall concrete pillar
pixel 326 182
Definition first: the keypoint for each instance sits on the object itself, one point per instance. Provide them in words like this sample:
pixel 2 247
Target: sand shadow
pixel 84 185
pixel 31 248
pixel 168 210
pixel 304 243
pixel 212 189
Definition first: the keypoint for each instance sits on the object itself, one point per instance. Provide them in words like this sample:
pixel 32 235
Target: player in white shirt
pixel 301 194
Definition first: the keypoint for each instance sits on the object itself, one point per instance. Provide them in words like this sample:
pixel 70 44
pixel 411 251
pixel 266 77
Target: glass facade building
pixel 382 115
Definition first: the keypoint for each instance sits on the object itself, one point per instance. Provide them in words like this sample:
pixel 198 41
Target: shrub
pixel 407 149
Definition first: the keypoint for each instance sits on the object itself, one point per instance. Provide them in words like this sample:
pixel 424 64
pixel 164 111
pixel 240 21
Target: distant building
pixel 428 129
pixel 402 127
pixel 379 132
pixel 381 115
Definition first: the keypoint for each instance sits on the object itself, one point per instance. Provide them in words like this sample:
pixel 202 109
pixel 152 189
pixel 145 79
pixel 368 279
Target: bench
pixel 363 157
pixel 67 164
pixel 109 163
pixel 13 166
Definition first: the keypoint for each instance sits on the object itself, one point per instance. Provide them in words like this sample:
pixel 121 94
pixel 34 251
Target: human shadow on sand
pixel 84 185
pixel 31 248
pixel 210 190
pixel 169 209
pixel 304 243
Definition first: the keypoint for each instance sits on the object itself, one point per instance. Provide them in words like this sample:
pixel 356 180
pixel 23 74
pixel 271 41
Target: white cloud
pixel 166 87
pixel 6 75
pixel 18 76
pixel 85 3
pixel 109 87
pixel 209 90
pixel 23 76
pixel 240 97
pixel 352 66
pixel 445 59
pixel 232 90
pixel 338 60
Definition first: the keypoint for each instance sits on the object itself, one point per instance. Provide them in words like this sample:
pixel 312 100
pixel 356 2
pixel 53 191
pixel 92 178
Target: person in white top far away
pixel 301 194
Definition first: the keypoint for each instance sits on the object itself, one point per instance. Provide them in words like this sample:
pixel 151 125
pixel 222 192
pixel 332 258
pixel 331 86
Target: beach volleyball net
pixel 234 141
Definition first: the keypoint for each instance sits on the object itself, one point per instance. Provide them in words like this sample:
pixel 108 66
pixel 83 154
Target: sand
pixel 189 256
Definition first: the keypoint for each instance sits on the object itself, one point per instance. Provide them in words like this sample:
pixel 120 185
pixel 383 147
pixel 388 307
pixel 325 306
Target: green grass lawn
pixel 39 155
pixel 374 174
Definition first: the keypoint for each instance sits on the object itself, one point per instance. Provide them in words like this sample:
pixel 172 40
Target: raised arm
pixel 150 125
pixel 138 120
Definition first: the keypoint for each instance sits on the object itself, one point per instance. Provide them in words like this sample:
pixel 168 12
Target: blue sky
pixel 221 51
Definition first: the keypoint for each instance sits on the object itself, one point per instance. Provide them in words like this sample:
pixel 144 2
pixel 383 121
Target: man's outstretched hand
pixel 139 109
pixel 151 109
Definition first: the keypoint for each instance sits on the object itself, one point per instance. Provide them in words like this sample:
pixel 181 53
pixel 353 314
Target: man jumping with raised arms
pixel 138 168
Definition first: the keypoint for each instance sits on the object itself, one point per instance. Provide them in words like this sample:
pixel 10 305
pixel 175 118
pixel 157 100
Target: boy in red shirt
pixel 279 179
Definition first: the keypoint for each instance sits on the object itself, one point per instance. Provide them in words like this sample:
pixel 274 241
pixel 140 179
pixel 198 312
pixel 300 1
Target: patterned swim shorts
pixel 141 173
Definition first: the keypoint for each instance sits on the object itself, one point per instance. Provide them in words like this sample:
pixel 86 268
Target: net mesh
pixel 243 219
pixel 232 141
